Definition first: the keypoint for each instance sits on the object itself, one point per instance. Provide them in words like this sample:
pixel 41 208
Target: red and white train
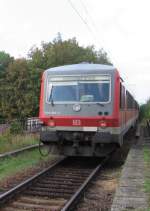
pixel 85 109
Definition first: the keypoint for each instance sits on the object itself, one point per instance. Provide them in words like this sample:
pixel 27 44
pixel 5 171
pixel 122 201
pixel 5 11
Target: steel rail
pixel 9 194
pixel 18 151
pixel 71 201
pixel 70 205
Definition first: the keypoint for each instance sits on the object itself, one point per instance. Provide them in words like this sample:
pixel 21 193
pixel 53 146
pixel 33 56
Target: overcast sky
pixel 121 27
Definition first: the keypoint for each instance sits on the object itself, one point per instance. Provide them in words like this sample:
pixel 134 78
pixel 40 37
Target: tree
pixel 20 83
pixel 59 52
pixel 145 110
pixel 15 100
pixel 5 59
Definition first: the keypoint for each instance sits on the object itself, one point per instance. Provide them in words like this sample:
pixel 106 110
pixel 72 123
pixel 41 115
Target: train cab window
pixel 61 92
pixel 94 92
pixel 80 90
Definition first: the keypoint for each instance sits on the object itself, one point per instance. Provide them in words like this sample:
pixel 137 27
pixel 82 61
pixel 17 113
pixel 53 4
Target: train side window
pixel 130 101
pixel 122 96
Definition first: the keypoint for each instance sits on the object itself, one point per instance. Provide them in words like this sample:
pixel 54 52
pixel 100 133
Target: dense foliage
pixel 145 110
pixel 20 78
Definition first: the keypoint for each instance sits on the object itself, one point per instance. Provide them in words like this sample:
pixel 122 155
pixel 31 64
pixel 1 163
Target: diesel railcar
pixel 85 109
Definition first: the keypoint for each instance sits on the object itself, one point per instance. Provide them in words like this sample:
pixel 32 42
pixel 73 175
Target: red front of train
pixel 85 109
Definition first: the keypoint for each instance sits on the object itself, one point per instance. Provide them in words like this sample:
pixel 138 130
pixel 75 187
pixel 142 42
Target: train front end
pixel 77 109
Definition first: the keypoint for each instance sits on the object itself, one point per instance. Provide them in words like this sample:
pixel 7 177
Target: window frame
pixel 108 77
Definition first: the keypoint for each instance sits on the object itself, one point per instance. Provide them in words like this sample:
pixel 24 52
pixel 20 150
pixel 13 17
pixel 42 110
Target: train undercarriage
pixel 80 143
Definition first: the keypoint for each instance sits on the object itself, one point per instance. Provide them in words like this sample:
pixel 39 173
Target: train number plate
pixel 76 122
pixel 92 129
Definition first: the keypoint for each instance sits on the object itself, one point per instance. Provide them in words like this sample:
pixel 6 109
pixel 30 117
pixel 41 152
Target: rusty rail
pixel 59 187
pixel 18 151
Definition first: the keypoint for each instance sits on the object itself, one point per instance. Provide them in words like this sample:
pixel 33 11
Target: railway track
pixel 57 188
pixel 18 151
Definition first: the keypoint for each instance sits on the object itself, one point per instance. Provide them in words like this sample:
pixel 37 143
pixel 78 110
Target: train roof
pixel 84 68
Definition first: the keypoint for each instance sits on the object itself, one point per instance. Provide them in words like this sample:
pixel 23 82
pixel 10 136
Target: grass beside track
pixel 147 174
pixel 12 165
pixel 10 142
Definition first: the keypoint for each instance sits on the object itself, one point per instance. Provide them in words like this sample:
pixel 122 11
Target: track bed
pixel 55 189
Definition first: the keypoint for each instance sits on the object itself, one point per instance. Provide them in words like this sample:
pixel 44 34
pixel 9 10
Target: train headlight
pixel 51 123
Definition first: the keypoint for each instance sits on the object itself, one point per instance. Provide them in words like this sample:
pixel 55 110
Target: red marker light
pixel 103 124
pixel 51 123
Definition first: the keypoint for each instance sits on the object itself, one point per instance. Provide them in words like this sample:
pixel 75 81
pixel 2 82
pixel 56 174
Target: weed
pixel 9 142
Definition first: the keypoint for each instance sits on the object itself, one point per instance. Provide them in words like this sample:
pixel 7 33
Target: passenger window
pixel 122 96
pixel 130 101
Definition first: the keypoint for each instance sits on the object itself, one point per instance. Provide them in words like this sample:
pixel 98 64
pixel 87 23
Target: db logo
pixel 76 122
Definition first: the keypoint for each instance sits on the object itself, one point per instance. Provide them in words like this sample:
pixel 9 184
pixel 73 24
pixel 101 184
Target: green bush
pixel 16 127
pixel 145 111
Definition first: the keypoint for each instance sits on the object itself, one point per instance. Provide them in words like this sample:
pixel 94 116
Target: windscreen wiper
pixel 51 99
pixel 100 104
